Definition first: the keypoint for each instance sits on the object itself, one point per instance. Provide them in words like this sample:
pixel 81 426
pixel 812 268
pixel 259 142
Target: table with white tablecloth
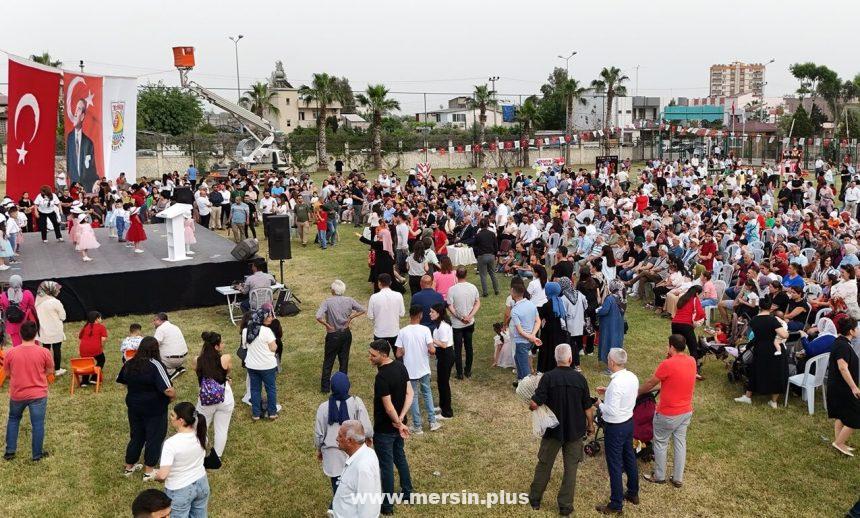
pixel 461 255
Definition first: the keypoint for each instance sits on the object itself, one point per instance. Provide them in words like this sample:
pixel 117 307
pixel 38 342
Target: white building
pixel 590 112
pixel 460 115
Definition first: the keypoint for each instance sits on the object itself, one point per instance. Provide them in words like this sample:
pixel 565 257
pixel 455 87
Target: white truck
pixel 259 151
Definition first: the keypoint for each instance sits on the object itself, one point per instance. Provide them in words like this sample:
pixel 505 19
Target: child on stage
pixel 136 234
pixel 120 215
pixel 190 238
pixel 86 238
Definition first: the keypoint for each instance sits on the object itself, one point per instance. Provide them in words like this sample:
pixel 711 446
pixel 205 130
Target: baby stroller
pixel 643 425
pixel 739 370
pixel 643 428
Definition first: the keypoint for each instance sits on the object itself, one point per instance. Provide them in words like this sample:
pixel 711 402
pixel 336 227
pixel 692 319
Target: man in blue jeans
pixel 28 367
pixel 392 398
pixel 524 326
pixel 619 398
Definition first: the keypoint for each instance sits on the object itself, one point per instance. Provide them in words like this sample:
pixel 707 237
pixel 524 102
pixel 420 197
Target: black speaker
pixel 245 249
pixel 279 237
pixel 183 194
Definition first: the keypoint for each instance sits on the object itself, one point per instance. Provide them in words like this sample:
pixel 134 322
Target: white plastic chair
pixel 720 287
pixel 260 296
pixel 821 314
pixel 730 253
pixel 758 253
pixel 808 382
pixel 757 244
pixel 812 290
pixel 726 273
pixel 767 236
pixel 809 253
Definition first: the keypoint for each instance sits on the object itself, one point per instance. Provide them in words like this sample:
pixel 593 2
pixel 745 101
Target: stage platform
pixel 119 282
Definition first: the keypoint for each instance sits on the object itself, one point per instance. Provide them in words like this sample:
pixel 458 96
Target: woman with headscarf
pixel 339 407
pixel 589 288
pixel 261 362
pixel 18 306
pixel 553 315
pixel 820 343
pixel 575 320
pixel 51 315
pixel 611 317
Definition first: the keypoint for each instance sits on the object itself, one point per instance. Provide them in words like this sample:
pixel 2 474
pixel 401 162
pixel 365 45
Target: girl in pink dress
pixel 86 238
pixel 190 238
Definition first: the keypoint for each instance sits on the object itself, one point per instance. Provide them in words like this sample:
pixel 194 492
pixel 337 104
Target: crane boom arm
pixel 245 116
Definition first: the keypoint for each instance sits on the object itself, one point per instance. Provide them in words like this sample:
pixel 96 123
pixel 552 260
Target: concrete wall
pixel 155 166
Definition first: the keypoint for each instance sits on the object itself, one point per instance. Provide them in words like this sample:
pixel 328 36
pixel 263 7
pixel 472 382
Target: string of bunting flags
pixel 586 136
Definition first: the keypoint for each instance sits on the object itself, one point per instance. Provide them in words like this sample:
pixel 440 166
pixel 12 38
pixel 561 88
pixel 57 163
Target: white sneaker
pixel 4 267
pixel 87 259
pixel 743 399
pixel 138 251
pixel 416 431
pixel 59 372
pixel 772 404
pixel 435 426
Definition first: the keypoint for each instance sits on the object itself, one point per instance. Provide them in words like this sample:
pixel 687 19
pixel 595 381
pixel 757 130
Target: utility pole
pixel 235 41
pixel 636 88
pixel 426 128
pixel 81 64
pixel 493 80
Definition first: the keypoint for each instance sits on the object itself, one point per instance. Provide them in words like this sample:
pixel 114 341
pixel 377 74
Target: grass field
pixel 742 460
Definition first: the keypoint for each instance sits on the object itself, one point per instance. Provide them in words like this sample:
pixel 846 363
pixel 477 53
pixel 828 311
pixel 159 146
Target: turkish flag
pixel 83 128
pixel 34 92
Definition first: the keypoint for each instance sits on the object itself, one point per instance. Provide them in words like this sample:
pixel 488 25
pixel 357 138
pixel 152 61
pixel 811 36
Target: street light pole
pixel 763 83
pixel 235 41
pixel 493 79
pixel 567 61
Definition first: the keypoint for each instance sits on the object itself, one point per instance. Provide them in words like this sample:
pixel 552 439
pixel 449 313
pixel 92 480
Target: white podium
pixel 175 220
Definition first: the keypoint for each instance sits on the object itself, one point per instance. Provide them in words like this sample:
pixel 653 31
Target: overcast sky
pixel 442 46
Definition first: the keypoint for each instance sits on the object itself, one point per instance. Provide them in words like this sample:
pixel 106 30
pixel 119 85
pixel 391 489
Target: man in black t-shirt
pixel 392 398
pixel 564 391
pixel 357 193
pixel 563 267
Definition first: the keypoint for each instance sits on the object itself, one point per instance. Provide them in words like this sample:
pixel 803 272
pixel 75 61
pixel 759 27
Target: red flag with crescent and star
pixel 34 92
pixel 82 112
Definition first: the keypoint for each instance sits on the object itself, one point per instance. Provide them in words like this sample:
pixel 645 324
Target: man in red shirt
pixel 28 367
pixel 676 376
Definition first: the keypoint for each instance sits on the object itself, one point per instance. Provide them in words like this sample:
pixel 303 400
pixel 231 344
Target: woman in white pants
pixel 215 401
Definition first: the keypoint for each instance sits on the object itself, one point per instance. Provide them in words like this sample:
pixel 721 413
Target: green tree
pixel 552 107
pixel 45 59
pixel 482 98
pixel 170 110
pixel 259 99
pixel 609 82
pixel 324 90
pixel 802 124
pixel 347 99
pixel 571 91
pixel 376 99
pixel 527 115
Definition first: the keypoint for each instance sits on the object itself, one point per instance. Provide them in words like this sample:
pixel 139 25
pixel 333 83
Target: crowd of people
pixel 753 263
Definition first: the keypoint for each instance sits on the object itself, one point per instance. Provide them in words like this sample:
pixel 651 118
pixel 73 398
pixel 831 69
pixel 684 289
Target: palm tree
pixel 376 99
pixel 571 91
pixel 482 98
pixel 609 83
pixel 325 90
pixel 527 115
pixel 259 99
pixel 45 59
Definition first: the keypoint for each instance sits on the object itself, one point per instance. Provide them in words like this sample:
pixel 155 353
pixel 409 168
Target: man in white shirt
pixel 360 482
pixel 384 309
pixel 852 198
pixel 204 206
pixel 267 205
pixel 619 398
pixel 171 345
pixel 414 346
